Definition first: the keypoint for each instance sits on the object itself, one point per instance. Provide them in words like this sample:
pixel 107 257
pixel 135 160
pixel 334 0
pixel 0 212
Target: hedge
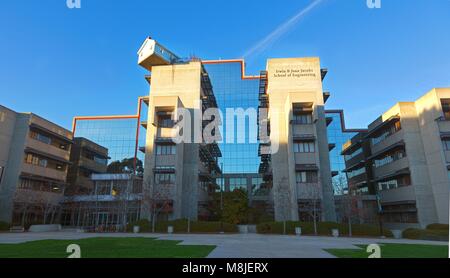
pixel 181 226
pixel 323 228
pixel 426 234
pixel 144 226
pixel 437 227
pixel 4 226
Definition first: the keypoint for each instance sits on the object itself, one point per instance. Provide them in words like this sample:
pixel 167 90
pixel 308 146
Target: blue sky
pixel 59 62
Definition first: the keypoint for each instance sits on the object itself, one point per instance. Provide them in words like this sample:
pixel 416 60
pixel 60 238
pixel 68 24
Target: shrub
pixel 323 228
pixel 145 226
pixel 437 227
pixel 213 227
pixel 368 230
pixel 4 226
pixel 181 226
pixel 427 234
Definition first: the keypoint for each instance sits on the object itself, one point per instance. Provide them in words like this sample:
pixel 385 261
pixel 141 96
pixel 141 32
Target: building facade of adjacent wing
pixel 34 158
pixel 404 159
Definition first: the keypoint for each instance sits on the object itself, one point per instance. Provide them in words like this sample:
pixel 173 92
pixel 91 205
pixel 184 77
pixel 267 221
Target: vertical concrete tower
pixel 301 164
pixel 180 166
pixel 173 176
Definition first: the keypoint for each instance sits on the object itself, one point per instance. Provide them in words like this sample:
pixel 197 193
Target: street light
pixel 380 213
pixel 221 198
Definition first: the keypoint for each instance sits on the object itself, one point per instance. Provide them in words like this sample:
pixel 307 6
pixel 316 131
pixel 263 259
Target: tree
pixel 311 201
pixel 283 193
pixel 156 199
pixel 234 208
pixel 126 166
pixel 349 204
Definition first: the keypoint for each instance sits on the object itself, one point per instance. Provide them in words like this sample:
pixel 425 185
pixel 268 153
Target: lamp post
pixel 380 213
pixel 221 198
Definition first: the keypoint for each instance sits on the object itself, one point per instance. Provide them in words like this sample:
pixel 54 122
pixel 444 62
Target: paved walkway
pixel 235 245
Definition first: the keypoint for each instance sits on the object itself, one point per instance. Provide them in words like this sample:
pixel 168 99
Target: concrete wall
pixel 429 109
pixel 7 126
pixel 176 86
pixel 297 80
pixel 425 157
pixel 14 139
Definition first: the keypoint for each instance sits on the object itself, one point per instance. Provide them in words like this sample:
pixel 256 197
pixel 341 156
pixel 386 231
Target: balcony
pixel 302 130
pixel 41 197
pixel 444 126
pixel 357 159
pixel 49 149
pixel 390 140
pixel 44 172
pixel 390 168
pixel 165 191
pixel 309 191
pixel 405 193
pixel 165 160
pixel 92 165
pixel 165 132
pixel 357 179
pixel 305 158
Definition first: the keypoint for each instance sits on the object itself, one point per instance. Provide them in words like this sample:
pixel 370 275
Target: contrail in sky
pixel 280 30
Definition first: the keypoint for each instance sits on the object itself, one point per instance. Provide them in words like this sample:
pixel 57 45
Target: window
pixel 356 172
pixel 137 187
pixel 400 213
pixel 304 147
pixel 38 136
pixel 165 121
pixel 165 178
pixel 44 162
pixel 387 132
pixel 165 149
pixel 446 143
pixel 49 140
pixel 100 160
pixel 103 187
pixel 353 154
pixel 306 177
pixel 302 119
pixel 360 191
pixel 399 154
pixel 95 157
pixel 394 183
pixel 35 160
pixel 238 183
pixel 446 108
pixel 36 185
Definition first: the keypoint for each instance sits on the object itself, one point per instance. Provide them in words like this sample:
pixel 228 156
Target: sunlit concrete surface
pixel 235 245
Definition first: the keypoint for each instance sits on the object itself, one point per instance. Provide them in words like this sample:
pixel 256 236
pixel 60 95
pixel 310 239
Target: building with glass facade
pixel 338 135
pixel 269 135
pixel 293 87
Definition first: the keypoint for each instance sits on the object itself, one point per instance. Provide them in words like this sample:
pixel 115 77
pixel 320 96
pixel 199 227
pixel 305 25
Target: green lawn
pixel 106 248
pixel 394 250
